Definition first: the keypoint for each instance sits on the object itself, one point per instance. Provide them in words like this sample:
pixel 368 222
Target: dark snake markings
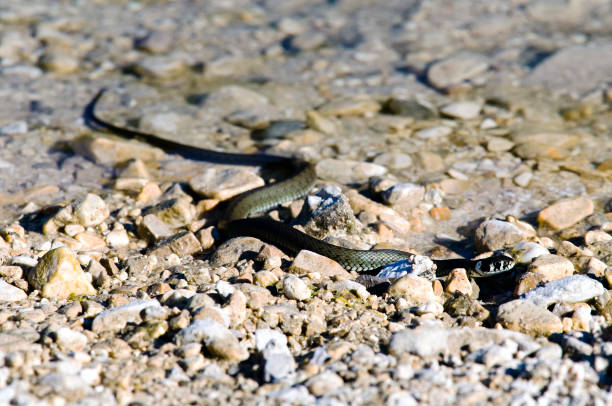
pixel 236 220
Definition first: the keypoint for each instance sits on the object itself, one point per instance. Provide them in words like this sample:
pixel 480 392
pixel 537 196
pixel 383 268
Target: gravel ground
pixel 440 128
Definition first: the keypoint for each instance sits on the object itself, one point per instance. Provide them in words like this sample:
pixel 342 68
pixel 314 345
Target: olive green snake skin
pixel 236 220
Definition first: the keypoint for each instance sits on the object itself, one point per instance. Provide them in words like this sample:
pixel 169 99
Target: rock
pixel 59 62
pixel 69 340
pixel 552 267
pixel 58 275
pixel 404 195
pixel 529 318
pixel 524 252
pixel 353 106
pixel 437 131
pixel 156 42
pixel 278 363
pixel 232 98
pixel 393 160
pixel 111 152
pixel 523 179
pixel 576 69
pixel 571 289
pixel 231 251
pixel 217 339
pixel 160 66
pixel 458 281
pixel 279 129
pixel 431 339
pixel 595 236
pixel 185 243
pixel 295 288
pixel 91 210
pixel 326 211
pixel 323 383
pixel 165 123
pixel 347 172
pixel 307 262
pixel 10 293
pixel 387 215
pixel 412 107
pixel 498 144
pixel 351 286
pixel 566 213
pixel 117 318
pixel 547 145
pixel 456 69
pixel 414 288
pixel 153 229
pixel 14 128
pixel 174 212
pixel 223 184
pixel 465 110
pixel 493 235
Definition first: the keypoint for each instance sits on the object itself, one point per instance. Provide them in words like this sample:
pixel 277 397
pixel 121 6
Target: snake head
pixel 493 265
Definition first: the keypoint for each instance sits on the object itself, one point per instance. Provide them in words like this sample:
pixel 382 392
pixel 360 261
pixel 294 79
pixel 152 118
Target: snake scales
pixel 236 220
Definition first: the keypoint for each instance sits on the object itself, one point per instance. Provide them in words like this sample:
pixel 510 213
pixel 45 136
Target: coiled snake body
pixel 236 220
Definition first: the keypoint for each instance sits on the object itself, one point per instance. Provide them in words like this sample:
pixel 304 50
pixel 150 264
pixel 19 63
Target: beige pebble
pixel 350 106
pixel 91 210
pixel 222 184
pixel 566 213
pixel 58 275
pixel 414 289
pixel 552 267
pixel 458 281
pixel 528 318
pixel 499 144
pixel 295 288
pixel 593 236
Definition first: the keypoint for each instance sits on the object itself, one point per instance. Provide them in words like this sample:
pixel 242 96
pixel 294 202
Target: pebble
pixel 527 317
pixel 362 105
pixel 498 144
pixel 175 212
pixel 415 289
pixel 524 252
pixel 456 69
pixel 156 42
pixel 323 383
pixel 465 110
pixel 278 363
pixel 217 339
pixel 153 229
pixel 566 213
pixel 295 288
pixel 404 195
pixel 91 210
pixel 551 145
pixel 458 281
pixel 14 128
pixel 232 98
pixel 347 172
pixel 165 123
pixel 595 236
pixel 117 318
pixel 492 235
pixel 58 275
pixel 109 152
pixel 523 179
pixel 394 160
pixel 551 267
pixel 59 63
pixel 571 289
pixel 69 340
pixel 433 132
pixel 160 67
pixel 307 262
pixel 350 286
pixel 223 184
pixel 10 293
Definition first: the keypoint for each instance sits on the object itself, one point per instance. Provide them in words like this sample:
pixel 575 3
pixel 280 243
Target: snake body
pixel 236 221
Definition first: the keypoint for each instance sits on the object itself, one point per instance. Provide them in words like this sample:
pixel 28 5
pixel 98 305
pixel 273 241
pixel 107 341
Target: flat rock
pixel 117 318
pixel 350 106
pixel 494 234
pixel 456 69
pixel 571 289
pixel 58 275
pixel 465 110
pixel 414 288
pixel 70 340
pixel 576 69
pixel 10 293
pixel 307 262
pixel 552 267
pixel 346 172
pixel 223 184
pixel 110 152
pixel 566 213
pixel 217 339
pixel 529 318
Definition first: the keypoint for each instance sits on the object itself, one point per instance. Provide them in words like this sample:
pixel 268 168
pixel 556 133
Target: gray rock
pixel 456 69
pixel 394 160
pixel 70 340
pixel 406 195
pixel 571 289
pixel 493 235
pixel 223 184
pixel 465 110
pixel 325 212
pixel 575 69
pixel 278 363
pixel 293 395
pixel 323 383
pixel 433 132
pixel 116 318
pixel 91 210
pixel 160 66
pixel 295 288
pixel 346 172
pixel 14 128
pixel 217 339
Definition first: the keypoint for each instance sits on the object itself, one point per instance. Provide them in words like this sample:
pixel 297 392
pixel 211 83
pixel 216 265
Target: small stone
pixel 523 179
pixel 160 66
pixel 571 289
pixel 11 271
pixel 544 145
pixel 14 128
pixel 323 383
pixel 174 212
pixel 498 144
pixel 153 229
pixel 156 42
pixel 278 361
pixel 231 98
pixel 59 62
pixel 456 69
pixel 10 293
pixel 91 210
pixel 527 317
pixel 582 318
pixel 458 281
pixel 295 288
pixel 551 267
pixel 350 286
pixel 595 236
pixel 111 152
pixel 307 262
pixel 406 195
pixel 117 318
pixel 266 278
pixel 357 105
pixel 217 339
pixel 165 123
pixel 394 160
pixel 319 122
pixel 117 238
pixel 181 244
pixel 58 275
pixel 492 235
pixel 347 172
pixel 412 107
pixel 465 110
pixel 440 213
pixel 70 340
pixel 566 213
pixel 223 184
pixel 414 288
pixel 524 252
pixel 433 132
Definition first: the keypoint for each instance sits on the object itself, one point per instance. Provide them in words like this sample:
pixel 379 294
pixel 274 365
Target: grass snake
pixel 236 220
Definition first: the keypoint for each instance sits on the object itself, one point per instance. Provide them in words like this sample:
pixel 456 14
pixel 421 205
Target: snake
pixel 238 220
